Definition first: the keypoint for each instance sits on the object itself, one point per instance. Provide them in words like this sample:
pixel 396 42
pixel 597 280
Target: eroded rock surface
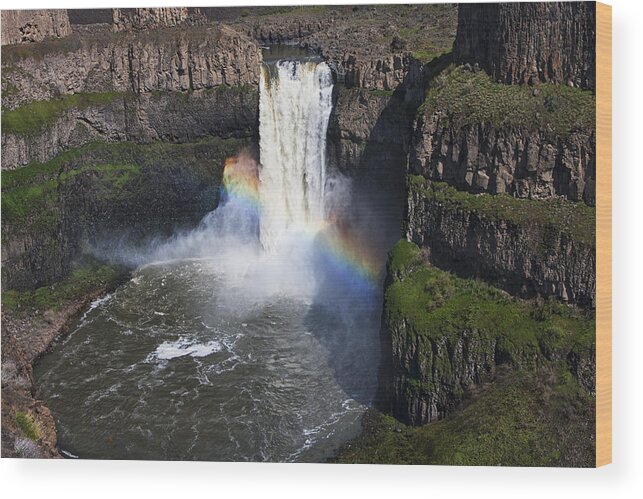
pixel 28 26
pixel 530 42
pixel 162 17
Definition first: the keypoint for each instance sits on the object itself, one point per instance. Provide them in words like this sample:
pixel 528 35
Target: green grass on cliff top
pixel 85 278
pixel 31 117
pixel 466 98
pixel 30 195
pixel 576 220
pixel 28 424
pixel 538 416
pixel 523 419
pixel 436 304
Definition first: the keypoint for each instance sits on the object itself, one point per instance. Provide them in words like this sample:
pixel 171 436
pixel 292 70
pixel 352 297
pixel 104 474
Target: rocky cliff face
pixel 540 248
pixel 28 26
pixel 530 42
pixel 170 89
pixel 449 335
pixel 482 136
pixel 433 376
pixel 368 125
pixel 139 19
pixel 508 155
pixel 126 192
pixel 358 41
pixel 159 60
pixel 382 72
pixel 523 162
pixel 169 116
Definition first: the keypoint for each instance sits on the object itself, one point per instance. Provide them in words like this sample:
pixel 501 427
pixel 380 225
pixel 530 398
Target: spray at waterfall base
pixel 284 226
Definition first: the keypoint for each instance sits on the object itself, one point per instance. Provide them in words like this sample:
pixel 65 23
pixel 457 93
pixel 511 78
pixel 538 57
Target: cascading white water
pixel 294 109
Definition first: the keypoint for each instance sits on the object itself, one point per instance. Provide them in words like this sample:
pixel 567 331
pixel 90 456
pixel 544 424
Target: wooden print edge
pixel 603 234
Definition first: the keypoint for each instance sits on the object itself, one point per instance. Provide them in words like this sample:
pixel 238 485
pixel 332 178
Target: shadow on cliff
pixel 346 315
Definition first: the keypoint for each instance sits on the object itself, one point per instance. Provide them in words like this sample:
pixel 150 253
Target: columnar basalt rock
pixel 530 42
pixel 150 61
pixel 28 26
pixel 526 259
pixel 143 118
pixel 523 162
pixel 447 336
pixel 140 19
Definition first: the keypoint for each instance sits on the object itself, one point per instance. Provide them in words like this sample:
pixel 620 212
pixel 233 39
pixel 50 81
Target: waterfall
pixel 294 109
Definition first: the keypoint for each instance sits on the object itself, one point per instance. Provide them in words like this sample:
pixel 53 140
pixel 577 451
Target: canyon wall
pixel 530 42
pixel 28 26
pixel 482 136
pixel 102 195
pixel 373 47
pixel 158 85
pixel 501 192
pixel 117 133
pixel 523 162
pixel 161 116
pixel 450 335
pixel 529 248
pixel 140 19
pixel 151 61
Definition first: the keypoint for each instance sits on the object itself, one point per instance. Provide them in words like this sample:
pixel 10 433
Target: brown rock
pixel 530 42
pixel 27 26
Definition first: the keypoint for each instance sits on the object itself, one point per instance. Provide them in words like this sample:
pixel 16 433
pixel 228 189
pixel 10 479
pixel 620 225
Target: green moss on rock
pixel 549 216
pixel 523 419
pixel 31 195
pixel 33 116
pixel 464 97
pixel 435 304
pixel 28 424
pixel 85 278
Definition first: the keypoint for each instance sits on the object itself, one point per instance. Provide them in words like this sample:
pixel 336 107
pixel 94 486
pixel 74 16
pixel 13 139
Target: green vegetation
pixel 32 116
pixel 530 410
pixel 381 93
pixel 28 425
pixel 466 97
pixel 14 53
pixel 285 10
pixel 85 278
pixel 427 55
pixel 20 203
pixel 113 175
pixel 404 255
pixel 436 305
pixel 521 420
pixel 32 196
pixel 551 216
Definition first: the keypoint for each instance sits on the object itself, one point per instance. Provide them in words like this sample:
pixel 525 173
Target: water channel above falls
pixel 255 337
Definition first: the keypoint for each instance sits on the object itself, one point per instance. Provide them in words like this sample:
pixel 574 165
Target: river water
pixel 161 370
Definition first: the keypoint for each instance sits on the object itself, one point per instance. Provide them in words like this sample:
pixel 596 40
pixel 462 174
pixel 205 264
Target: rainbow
pixel 241 181
pixel 340 248
pixel 344 253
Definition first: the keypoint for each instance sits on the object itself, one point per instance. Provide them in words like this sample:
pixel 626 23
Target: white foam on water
pixel 169 350
pixel 68 454
pixel 94 305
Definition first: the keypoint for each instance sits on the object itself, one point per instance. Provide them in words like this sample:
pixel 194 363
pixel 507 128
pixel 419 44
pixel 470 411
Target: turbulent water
pixel 253 337
pixel 165 369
